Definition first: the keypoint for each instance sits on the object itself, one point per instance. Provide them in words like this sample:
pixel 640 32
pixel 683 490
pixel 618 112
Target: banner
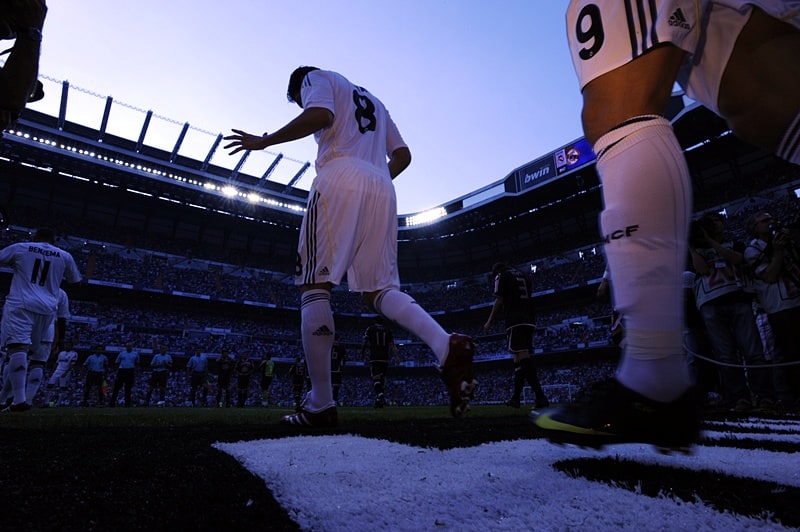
pixel 573 155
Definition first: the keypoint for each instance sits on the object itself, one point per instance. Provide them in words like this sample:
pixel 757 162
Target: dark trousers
pixel 124 378
pixel 94 379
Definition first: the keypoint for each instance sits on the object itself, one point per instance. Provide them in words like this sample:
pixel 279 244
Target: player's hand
pixel 244 141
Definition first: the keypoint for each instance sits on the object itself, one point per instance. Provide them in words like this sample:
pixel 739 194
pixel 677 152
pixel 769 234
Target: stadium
pixel 177 251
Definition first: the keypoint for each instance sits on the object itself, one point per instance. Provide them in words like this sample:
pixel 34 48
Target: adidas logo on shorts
pixel 677 19
pixel 324 271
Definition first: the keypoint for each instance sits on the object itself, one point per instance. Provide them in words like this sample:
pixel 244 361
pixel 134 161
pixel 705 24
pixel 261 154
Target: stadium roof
pixel 538 209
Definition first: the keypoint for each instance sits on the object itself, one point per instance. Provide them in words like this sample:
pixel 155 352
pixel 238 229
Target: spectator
pixel 727 312
pixel 774 257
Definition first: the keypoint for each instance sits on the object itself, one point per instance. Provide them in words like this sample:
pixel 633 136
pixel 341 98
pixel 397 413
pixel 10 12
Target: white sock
pixel 647 195
pixel 35 376
pixel 17 374
pixel 789 147
pixel 317 330
pixel 403 310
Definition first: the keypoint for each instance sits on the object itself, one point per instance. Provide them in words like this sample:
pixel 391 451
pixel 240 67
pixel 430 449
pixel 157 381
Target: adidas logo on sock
pixel 677 19
pixel 323 331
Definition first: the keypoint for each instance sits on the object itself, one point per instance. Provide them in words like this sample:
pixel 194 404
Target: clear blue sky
pixel 477 88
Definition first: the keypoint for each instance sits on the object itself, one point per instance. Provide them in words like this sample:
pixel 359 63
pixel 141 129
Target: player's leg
pixel 16 372
pixel 37 361
pixel 378 370
pixel 63 388
pixel 519 384
pixel 317 330
pixel 647 197
pixel 647 205
pixel 532 377
pixel 324 253
pixel 18 329
pixel 374 273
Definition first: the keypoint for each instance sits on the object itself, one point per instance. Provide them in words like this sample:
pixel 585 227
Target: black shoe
pixel 513 403
pixel 543 403
pixel 380 401
pixel 19 407
pixel 611 413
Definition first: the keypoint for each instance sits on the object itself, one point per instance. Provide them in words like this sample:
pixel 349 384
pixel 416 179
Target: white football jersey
pixel 361 128
pixel 39 268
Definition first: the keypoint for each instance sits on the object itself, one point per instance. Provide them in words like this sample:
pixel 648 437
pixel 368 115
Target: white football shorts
pixel 350 226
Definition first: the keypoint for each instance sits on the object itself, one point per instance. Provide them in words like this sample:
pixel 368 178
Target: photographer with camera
pixel 773 257
pixel 21 20
pixel 727 312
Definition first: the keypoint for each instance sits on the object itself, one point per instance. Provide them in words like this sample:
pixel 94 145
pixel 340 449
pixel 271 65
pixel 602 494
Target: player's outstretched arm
pixel 306 123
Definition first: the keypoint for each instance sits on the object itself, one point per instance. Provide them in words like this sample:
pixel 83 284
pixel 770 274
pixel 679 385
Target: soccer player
pixel 299 374
pixel 350 227
pixel 59 380
pixel 244 370
pixel 225 365
pixel 39 355
pixel 737 58
pixel 512 297
pixel 379 340
pixel 266 369
pixel 338 362
pixel 32 302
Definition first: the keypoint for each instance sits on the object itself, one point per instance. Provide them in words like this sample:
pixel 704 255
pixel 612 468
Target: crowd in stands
pixel 157 264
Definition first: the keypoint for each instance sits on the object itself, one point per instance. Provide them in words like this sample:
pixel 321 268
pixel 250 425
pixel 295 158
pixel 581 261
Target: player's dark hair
pixel 499 267
pixel 296 79
pixel 45 234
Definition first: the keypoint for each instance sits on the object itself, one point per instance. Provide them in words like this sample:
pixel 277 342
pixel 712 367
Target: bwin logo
pixel 541 172
pixel 621 233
